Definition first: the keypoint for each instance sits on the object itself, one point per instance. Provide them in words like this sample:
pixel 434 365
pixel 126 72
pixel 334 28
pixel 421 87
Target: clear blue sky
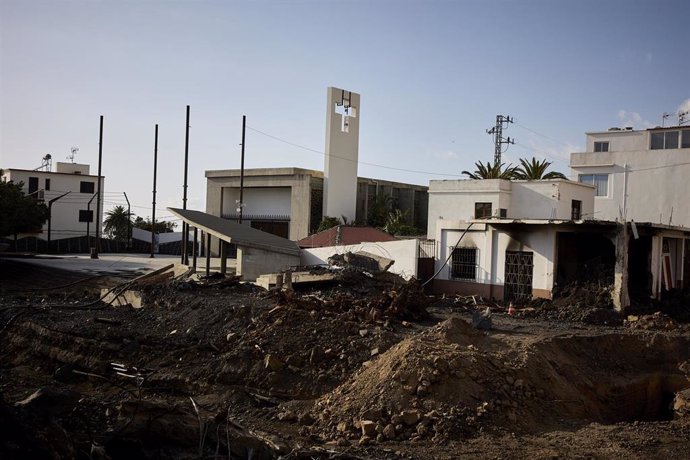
pixel 433 75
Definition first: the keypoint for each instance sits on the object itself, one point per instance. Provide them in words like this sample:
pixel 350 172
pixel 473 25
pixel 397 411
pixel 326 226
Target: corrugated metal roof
pixel 239 234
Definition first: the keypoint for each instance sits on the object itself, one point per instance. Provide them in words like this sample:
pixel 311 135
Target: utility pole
pixel 497 131
pixel 241 203
pixel 185 227
pixel 129 222
pixel 153 208
pixel 94 253
pixel 50 216
pixel 88 220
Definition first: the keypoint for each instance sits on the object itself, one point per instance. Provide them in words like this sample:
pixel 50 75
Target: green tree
pixel 377 214
pixel 19 213
pixel 117 223
pixel 396 224
pixel 536 170
pixel 491 171
pixel 162 226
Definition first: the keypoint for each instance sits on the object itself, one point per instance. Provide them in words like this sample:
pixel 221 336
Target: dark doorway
pixel 585 257
pixel 518 276
pixel 639 275
pixel 274 227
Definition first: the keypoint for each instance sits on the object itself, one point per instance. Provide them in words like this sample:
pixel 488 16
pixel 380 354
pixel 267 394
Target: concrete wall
pixel 65 211
pixel 403 252
pixel 455 199
pixel 492 244
pixel 251 262
pixel 342 152
pixel 222 189
pixel 650 185
pixel 550 199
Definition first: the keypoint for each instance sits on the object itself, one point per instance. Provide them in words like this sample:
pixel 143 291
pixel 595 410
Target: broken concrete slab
pixel 270 280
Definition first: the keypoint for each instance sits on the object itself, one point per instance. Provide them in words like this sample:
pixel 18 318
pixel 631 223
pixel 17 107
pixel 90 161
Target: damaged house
pixel 516 240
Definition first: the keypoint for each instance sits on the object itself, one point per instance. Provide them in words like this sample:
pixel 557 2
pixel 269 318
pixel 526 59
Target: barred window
pixel 464 264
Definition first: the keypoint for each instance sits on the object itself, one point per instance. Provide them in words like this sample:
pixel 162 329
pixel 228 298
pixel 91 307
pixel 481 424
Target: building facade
pixel 69 214
pixel 640 175
pixel 288 202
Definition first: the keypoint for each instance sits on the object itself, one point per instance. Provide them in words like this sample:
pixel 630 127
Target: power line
pixel 351 160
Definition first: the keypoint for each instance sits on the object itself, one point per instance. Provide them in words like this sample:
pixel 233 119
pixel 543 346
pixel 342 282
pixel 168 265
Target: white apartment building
pixel 71 213
pixel 640 175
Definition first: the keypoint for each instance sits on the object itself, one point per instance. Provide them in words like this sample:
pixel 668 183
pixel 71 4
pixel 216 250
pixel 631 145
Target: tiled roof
pixel 344 235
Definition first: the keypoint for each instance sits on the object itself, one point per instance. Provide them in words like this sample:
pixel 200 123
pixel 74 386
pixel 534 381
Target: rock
pixel 681 404
pixel 364 441
pixel 363 332
pixel 374 352
pixel 510 380
pixel 410 417
pixel 422 390
pixel 273 363
pixel 389 432
pixel 342 427
pixel 396 419
pixel 422 430
pixel 287 416
pixel 519 383
pixel 342 442
pixel 380 438
pixel 368 428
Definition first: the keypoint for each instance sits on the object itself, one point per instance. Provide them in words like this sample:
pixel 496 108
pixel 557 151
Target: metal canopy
pixel 232 232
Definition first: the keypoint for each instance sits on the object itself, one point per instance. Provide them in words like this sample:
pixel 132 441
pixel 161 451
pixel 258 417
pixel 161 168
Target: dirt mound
pixel 451 382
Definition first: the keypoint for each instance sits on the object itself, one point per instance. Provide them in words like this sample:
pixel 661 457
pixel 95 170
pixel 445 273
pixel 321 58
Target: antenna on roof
pixel 682 117
pixel 46 163
pixel 73 152
pixel 664 116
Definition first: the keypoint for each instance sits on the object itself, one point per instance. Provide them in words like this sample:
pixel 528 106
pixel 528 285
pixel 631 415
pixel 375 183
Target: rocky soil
pixel 367 366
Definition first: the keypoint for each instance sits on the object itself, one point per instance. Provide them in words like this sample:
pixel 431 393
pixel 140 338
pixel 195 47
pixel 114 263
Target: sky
pixel 432 76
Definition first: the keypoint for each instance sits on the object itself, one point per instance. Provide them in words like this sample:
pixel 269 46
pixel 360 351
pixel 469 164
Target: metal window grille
pixel 518 276
pixel 426 249
pixel 464 264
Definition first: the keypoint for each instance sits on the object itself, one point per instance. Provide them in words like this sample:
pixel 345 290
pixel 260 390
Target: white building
pixel 71 213
pixel 516 232
pixel 640 175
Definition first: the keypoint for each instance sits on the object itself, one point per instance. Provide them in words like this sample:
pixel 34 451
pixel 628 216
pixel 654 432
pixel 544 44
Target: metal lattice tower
pixel 497 131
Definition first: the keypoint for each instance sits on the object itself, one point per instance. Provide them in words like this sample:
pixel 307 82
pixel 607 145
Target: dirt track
pixel 352 370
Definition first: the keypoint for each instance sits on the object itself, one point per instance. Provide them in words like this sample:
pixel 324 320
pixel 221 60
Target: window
pixel 482 210
pixel 47 187
pixel 464 264
pixel 601 146
pixel 85 216
pixel 33 184
pixel 86 187
pixel 503 213
pixel 576 210
pixel 664 140
pixel 685 144
pixel 601 181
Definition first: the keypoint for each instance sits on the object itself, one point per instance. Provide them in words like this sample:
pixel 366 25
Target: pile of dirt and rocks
pixel 363 366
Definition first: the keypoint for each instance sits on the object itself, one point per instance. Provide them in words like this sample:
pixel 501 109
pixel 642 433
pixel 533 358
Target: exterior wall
pixel 455 199
pixel 648 185
pixel 65 212
pixel 342 152
pixel 266 193
pixel 550 199
pixel 252 262
pixel 403 252
pixel 222 189
pixel 543 199
pixel 492 244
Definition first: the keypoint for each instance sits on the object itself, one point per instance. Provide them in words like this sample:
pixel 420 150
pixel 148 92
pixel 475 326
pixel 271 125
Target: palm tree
pixel 489 171
pixel 117 223
pixel 535 170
